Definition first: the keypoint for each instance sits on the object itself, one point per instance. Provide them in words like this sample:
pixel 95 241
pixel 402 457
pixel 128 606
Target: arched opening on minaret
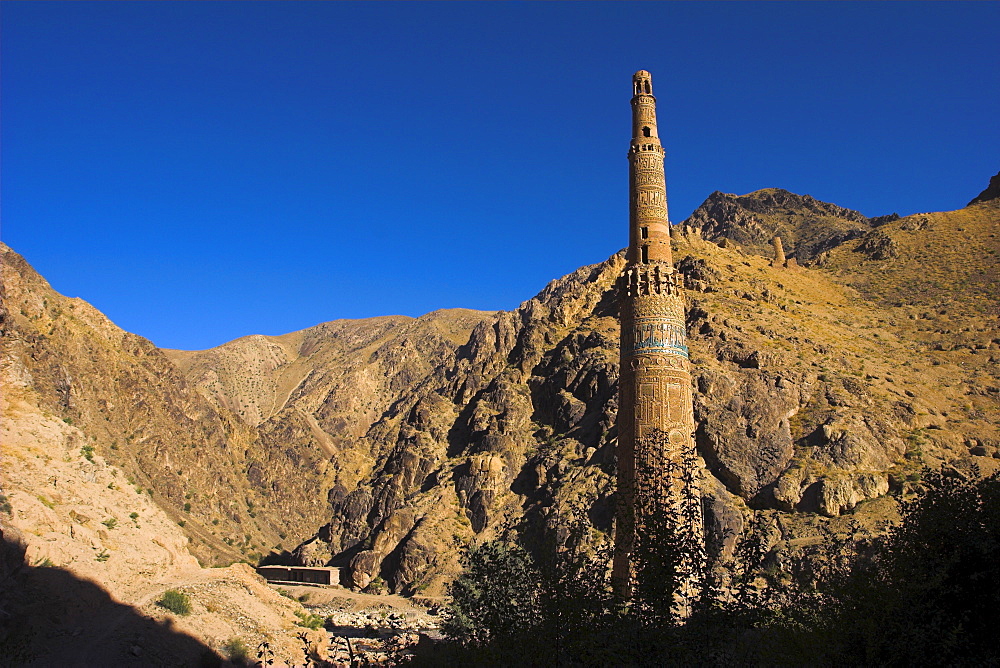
pixel 649 87
pixel 645 132
pixel 645 255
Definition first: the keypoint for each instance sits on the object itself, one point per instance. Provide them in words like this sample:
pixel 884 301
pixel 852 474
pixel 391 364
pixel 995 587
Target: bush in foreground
pixel 176 602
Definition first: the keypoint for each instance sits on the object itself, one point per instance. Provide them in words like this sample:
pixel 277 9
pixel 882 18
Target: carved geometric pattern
pixel 648 178
pixel 649 161
pixel 651 212
pixel 650 197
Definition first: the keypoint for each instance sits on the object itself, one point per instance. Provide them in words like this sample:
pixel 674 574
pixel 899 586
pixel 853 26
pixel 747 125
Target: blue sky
pixel 201 171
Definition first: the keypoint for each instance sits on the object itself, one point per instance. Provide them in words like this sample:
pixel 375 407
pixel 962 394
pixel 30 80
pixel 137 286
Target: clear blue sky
pixel 201 171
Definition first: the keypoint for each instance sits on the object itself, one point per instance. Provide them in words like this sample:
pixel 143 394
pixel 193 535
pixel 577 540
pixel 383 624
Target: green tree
pixel 929 593
pixel 496 598
pixel 669 560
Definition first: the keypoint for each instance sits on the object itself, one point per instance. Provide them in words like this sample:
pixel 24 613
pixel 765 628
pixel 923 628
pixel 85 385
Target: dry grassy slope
pixel 134 407
pixel 346 372
pixel 325 386
pixel 935 279
pixel 814 401
pixel 243 375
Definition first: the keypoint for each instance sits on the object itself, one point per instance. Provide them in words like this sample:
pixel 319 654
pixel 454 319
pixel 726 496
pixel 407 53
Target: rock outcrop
pixel 992 191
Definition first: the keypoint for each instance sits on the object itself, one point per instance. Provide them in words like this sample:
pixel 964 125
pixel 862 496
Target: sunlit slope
pixel 206 469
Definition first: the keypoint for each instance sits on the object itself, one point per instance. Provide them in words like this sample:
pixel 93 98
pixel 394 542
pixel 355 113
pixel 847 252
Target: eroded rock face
pixel 839 494
pixel 743 430
pixel 313 552
pixel 878 245
pixel 991 193
pixel 857 441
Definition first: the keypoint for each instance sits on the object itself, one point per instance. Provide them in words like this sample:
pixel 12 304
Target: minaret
pixel 655 415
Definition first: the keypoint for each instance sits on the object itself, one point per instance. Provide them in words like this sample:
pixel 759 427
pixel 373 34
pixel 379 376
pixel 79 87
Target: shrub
pixel 176 602
pixel 237 651
pixel 309 620
pixel 929 588
pixel 376 586
pixel 110 523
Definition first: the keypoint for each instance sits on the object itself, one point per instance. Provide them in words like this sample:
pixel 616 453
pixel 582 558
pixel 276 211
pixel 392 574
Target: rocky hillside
pixel 821 394
pixel 346 372
pixel 324 386
pixel 822 391
pixel 243 454
pixel 806 226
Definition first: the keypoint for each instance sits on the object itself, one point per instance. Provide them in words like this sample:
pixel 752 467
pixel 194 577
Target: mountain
pixel 806 225
pixel 347 372
pixel 821 393
pixel 221 453
pixel 116 472
pixel 322 388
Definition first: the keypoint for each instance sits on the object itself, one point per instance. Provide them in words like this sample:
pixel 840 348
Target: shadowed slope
pixel 51 617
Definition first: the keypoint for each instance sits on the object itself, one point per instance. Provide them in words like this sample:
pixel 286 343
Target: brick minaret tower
pixel 655 415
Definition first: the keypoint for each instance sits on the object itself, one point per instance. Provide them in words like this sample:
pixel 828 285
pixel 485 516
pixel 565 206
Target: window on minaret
pixel 649 88
pixel 645 254
pixel 645 132
pixel 644 232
